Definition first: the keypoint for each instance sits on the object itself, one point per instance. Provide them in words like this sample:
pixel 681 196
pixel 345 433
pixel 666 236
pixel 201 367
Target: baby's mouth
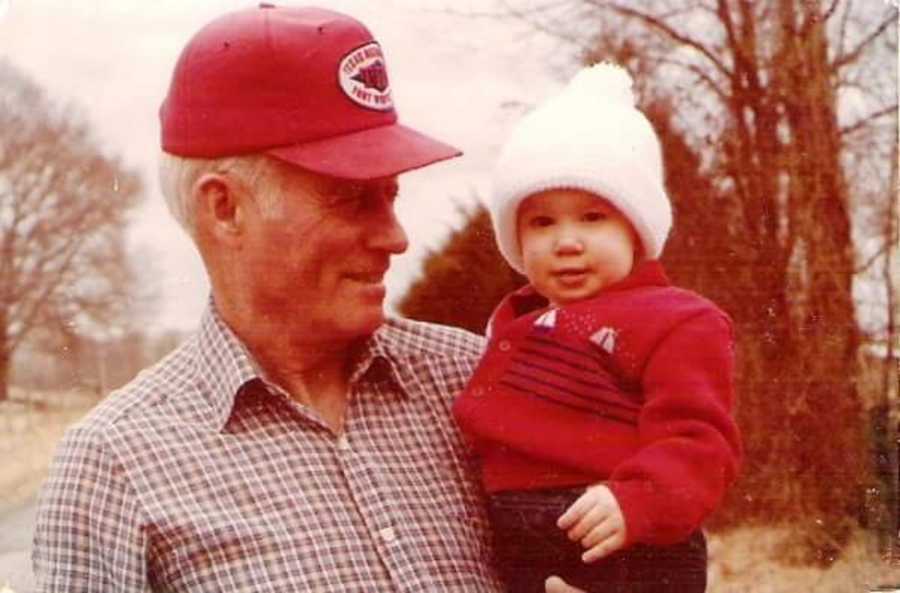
pixel 570 272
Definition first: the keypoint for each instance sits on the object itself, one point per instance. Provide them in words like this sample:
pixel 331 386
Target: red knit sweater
pixel 632 387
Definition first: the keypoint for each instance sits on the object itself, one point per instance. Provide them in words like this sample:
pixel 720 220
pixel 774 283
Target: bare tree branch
pixel 60 231
pixel 665 29
pixel 863 122
pixel 841 43
pixel 844 59
pixel 701 75
pixel 874 257
pixel 829 12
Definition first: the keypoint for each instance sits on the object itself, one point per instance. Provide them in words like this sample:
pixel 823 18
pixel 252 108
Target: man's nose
pixel 386 233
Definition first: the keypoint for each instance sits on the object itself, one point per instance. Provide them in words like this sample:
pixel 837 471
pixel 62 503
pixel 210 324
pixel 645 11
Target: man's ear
pixel 219 207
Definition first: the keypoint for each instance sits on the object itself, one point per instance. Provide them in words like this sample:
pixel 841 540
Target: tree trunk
pixel 4 366
pixel 819 359
pixel 799 406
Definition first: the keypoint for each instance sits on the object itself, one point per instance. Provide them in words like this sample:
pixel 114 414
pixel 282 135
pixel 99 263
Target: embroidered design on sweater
pixel 568 376
pixel 546 322
pixel 605 338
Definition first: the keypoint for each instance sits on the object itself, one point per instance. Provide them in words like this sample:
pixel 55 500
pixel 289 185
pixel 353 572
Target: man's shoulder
pixel 411 338
pixel 431 359
pixel 144 395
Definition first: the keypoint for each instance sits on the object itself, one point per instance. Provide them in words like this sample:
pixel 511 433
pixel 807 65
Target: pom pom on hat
pixel 589 137
pixel 602 83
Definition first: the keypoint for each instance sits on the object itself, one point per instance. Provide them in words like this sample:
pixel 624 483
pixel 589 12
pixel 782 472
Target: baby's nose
pixel 568 244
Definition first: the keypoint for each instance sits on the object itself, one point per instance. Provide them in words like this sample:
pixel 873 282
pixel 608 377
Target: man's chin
pixel 363 323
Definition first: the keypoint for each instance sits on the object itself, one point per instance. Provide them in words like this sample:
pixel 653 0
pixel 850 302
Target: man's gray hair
pixel 177 176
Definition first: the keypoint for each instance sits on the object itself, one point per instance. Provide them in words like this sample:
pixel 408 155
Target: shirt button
pixel 343 444
pixel 505 345
pixel 387 534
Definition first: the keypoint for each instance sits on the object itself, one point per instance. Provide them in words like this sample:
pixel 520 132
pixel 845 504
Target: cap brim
pixel 384 151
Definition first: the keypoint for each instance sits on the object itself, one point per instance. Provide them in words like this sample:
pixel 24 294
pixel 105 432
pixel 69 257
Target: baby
pixel 601 411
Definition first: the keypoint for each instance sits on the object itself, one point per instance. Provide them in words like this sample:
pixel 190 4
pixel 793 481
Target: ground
pixel 30 427
pixel 741 561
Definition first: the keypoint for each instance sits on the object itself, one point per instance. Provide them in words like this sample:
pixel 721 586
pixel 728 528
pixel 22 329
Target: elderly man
pixel 299 441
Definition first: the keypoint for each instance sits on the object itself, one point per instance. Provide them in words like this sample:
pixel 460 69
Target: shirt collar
pixel 226 366
pixel 382 357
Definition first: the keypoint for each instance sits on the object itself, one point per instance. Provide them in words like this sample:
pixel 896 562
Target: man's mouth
pixel 366 277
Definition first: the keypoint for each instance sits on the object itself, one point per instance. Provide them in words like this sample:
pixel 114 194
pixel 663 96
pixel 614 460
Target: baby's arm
pixel 596 520
pixel 690 446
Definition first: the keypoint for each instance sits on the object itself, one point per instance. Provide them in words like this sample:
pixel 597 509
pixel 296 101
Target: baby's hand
pixel 596 520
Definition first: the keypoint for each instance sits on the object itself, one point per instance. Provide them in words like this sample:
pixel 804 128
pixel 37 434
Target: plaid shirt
pixel 199 476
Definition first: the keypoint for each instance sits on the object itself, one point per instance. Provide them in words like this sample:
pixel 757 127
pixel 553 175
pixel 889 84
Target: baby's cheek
pixel 533 253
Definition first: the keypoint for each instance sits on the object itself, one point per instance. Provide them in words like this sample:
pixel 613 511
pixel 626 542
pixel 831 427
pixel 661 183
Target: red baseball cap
pixel 306 85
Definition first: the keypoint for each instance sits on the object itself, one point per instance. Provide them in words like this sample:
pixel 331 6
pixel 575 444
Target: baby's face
pixel 573 244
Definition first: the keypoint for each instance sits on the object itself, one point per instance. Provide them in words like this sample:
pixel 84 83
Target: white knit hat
pixel 589 137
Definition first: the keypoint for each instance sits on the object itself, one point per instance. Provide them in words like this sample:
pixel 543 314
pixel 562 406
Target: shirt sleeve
pixel 89 533
pixel 689 443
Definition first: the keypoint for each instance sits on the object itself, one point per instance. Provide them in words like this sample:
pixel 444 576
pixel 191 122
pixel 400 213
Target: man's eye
pixel 360 193
pixel 594 216
pixel 349 192
pixel 346 195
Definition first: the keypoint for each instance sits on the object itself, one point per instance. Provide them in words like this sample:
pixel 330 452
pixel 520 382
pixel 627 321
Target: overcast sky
pixel 461 79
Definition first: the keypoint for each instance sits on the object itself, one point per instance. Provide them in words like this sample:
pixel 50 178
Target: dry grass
pixel 747 560
pixel 30 427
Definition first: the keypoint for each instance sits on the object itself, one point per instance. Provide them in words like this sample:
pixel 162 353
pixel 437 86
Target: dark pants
pixel 530 547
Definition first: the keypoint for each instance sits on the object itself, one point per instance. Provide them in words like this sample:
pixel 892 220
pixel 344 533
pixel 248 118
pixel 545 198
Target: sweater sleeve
pixel 689 443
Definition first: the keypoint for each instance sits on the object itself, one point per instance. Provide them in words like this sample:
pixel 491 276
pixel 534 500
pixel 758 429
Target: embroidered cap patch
pixel 363 77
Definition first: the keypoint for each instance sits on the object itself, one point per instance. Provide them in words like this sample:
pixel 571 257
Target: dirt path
pixel 30 428
pixel 16 527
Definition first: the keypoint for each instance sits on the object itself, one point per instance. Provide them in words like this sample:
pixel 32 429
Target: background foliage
pixel 65 272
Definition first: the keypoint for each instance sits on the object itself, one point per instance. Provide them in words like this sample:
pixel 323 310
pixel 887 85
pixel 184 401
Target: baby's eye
pixel 594 216
pixel 541 221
